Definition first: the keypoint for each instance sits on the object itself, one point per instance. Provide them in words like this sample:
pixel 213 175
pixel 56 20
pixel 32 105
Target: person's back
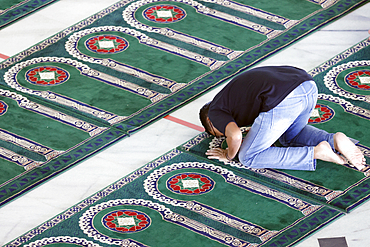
pixel 254 91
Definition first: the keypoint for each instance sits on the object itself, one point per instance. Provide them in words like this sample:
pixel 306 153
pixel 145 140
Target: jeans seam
pixel 312 160
pixel 304 89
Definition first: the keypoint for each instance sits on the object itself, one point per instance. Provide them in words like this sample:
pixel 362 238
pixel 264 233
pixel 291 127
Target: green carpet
pixel 116 72
pixel 184 199
pixel 13 10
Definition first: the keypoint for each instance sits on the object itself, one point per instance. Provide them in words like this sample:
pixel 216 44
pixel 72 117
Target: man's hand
pixel 217 153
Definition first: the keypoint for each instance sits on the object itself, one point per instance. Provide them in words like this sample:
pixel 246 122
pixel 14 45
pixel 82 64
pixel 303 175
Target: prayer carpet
pixel 121 69
pixel 13 10
pixel 184 199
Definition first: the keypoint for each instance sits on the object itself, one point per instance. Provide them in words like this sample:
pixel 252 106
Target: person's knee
pixel 241 157
pixel 245 159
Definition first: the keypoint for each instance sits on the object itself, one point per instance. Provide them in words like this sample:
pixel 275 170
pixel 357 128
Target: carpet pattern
pixel 13 10
pixel 120 70
pixel 183 195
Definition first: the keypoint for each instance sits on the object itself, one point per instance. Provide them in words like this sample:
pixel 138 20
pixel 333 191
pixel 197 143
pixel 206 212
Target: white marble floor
pixel 108 166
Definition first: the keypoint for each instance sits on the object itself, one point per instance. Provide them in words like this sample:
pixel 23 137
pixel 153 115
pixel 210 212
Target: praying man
pixel 277 102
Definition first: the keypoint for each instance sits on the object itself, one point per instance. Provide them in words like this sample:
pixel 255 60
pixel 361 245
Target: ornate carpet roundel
pixel 358 79
pixel 190 184
pixel 126 221
pixel 321 113
pixel 354 76
pixel 47 75
pixel 3 108
pixel 164 13
pixel 106 44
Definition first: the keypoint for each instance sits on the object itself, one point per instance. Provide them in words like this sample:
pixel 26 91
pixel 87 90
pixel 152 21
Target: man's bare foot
pixel 323 151
pixel 349 150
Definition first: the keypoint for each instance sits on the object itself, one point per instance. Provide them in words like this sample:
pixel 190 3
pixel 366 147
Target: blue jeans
pixel 287 122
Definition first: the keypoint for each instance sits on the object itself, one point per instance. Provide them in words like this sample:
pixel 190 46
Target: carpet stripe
pixel 182 122
pixel 3 56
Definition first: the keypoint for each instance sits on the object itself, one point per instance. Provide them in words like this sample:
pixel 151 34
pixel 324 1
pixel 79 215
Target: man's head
pixel 203 115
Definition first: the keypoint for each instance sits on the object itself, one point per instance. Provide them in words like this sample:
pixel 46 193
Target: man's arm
pixel 234 139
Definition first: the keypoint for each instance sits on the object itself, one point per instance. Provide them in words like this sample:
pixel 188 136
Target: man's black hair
pixel 203 115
